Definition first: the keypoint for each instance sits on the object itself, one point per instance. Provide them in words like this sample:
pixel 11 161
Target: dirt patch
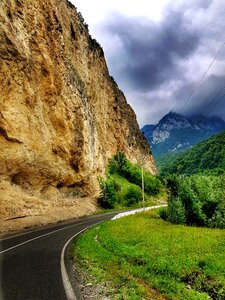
pixel 87 284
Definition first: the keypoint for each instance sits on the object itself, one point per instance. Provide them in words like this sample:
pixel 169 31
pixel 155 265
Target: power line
pixel 213 106
pixel 203 76
pixel 215 100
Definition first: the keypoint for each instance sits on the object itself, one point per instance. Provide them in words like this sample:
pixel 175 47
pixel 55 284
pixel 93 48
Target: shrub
pixel 133 174
pixel 152 184
pixel 218 219
pixel 200 197
pixel 133 195
pixel 107 197
pixel 176 211
pixel 116 191
pixel 190 200
pixel 172 183
pixel 119 164
pixel 163 213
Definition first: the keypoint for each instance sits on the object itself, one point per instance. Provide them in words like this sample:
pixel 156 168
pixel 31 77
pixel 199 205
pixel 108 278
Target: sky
pixel 165 55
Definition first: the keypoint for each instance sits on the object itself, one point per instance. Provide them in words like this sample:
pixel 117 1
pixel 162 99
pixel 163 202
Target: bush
pixel 190 197
pixel 152 184
pixel 120 165
pixel 176 211
pixel 200 198
pixel 124 182
pixel 163 213
pixel 133 195
pixel 218 219
pixel 172 183
pixel 107 197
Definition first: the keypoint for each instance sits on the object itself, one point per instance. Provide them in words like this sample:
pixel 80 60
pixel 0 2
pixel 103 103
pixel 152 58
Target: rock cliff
pixel 62 116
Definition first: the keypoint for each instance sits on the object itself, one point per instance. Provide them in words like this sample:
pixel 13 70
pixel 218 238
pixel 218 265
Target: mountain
pixel 209 155
pixel 62 115
pixel 175 133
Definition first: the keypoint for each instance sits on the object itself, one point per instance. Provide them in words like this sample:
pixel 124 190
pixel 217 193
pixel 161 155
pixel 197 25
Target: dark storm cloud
pixel 208 99
pixel 151 50
pixel 159 64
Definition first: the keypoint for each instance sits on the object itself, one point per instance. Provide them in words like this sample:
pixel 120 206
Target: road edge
pixel 68 278
pixel 71 293
pixel 68 287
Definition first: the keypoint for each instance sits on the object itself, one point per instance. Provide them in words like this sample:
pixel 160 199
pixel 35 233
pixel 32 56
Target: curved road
pixel 32 263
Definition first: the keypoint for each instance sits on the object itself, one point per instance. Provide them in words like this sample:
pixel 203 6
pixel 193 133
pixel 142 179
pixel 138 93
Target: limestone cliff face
pixel 61 115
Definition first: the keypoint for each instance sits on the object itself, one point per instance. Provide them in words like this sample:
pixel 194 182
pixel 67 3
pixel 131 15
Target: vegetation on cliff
pixel 123 184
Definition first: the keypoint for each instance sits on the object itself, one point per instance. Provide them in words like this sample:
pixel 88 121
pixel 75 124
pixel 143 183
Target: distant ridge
pixel 175 132
pixel 209 155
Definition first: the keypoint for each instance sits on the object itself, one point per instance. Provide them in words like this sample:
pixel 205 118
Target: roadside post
pixel 143 184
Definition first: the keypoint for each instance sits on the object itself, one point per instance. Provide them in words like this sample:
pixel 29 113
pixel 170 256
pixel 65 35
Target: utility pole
pixel 143 183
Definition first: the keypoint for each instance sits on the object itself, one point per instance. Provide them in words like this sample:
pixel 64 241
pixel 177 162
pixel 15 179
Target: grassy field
pixel 144 257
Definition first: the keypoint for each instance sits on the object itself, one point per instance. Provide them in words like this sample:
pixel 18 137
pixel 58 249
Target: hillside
pixel 62 116
pixel 175 133
pixel 122 186
pixel 208 155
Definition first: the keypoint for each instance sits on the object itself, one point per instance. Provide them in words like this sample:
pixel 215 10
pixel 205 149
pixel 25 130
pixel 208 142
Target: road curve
pixel 32 263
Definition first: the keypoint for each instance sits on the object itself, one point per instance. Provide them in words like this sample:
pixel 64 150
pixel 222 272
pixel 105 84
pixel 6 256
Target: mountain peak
pixel 176 132
pixel 172 115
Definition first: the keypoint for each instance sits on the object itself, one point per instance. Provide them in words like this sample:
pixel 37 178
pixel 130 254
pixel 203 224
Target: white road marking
pixel 32 231
pixel 65 278
pixel 43 235
pixel 27 232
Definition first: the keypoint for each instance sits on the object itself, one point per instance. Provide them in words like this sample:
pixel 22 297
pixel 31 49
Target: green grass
pixel 144 257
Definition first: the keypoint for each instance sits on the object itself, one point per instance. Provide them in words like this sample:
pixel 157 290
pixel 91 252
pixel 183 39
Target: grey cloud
pixel 158 65
pixel 203 3
pixel 209 98
pixel 151 51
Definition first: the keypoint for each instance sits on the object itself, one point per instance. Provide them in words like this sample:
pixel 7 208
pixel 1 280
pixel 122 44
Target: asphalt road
pixel 32 264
